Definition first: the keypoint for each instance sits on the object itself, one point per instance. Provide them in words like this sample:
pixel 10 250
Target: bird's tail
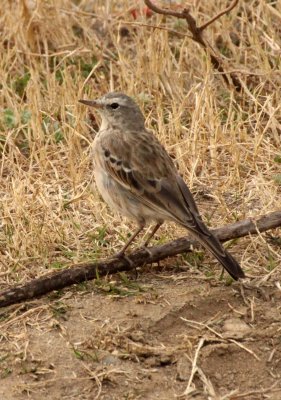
pixel 188 215
pixel 210 242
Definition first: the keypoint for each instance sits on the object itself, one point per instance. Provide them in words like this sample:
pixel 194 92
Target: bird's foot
pixel 146 249
pixel 119 254
pixel 122 256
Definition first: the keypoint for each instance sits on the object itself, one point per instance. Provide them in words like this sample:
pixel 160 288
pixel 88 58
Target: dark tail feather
pixel 194 224
pixel 222 255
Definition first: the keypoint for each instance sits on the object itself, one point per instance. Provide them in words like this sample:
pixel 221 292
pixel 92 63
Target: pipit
pixel 136 176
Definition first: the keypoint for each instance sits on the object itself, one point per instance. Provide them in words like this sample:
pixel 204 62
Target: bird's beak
pixel 91 103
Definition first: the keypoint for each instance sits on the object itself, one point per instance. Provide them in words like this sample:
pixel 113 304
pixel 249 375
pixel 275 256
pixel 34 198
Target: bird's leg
pixel 152 233
pixel 132 238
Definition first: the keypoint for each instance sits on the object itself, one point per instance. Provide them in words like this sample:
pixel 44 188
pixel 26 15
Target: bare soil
pixel 169 333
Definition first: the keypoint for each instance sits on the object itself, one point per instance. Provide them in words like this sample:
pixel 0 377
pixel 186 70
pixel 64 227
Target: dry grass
pixel 227 144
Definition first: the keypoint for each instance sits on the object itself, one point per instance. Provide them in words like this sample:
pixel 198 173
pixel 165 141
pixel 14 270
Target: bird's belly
pixel 121 199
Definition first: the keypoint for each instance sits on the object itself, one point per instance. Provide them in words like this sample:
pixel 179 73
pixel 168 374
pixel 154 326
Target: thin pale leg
pixel 127 244
pixel 152 233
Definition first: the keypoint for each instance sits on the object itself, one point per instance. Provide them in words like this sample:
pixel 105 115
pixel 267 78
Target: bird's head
pixel 117 110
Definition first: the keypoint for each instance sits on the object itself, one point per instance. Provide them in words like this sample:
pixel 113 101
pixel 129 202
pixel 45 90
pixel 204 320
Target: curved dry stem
pixel 220 14
pixel 197 35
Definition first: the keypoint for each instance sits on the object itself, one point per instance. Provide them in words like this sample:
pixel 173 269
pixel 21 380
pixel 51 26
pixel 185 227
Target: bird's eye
pixel 114 106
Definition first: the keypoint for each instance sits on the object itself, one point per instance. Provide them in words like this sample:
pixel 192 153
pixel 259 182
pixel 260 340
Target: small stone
pixel 152 362
pixel 236 328
pixel 218 376
pixel 110 360
pixel 165 360
pixel 183 368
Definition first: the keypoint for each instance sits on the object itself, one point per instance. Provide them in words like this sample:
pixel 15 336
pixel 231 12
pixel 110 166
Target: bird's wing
pixel 144 168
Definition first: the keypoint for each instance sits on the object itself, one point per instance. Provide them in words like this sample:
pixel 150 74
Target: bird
pixel 136 177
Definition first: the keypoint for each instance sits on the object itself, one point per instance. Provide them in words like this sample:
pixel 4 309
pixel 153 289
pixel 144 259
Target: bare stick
pixel 194 367
pixel 82 272
pixel 220 14
pixel 197 35
pixel 165 11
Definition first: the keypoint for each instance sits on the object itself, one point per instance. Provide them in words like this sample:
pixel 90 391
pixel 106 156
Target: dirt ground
pixel 170 333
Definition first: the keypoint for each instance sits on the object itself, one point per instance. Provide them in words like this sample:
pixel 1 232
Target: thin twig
pixel 194 366
pixel 197 36
pixel 221 336
pixel 245 348
pixel 246 395
pixel 165 11
pixel 87 271
pixel 220 14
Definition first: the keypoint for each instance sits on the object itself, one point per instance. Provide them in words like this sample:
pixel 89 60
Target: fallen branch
pixel 87 271
pixel 197 35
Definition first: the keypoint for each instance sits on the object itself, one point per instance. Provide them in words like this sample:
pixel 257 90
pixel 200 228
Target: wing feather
pixel 149 174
